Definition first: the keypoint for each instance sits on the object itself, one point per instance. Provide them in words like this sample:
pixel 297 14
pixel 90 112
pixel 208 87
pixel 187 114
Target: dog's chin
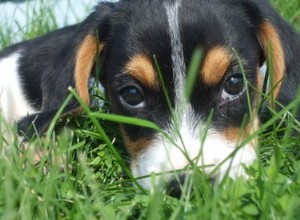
pixel 217 157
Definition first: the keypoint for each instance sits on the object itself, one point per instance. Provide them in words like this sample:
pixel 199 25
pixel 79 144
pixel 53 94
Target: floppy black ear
pixel 267 24
pixel 92 34
pixel 71 68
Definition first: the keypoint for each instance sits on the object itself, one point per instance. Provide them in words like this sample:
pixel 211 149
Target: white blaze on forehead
pixel 184 114
pixel 185 119
pixel 178 64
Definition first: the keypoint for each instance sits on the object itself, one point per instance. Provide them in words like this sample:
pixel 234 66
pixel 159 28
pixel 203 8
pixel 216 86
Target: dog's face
pixel 220 114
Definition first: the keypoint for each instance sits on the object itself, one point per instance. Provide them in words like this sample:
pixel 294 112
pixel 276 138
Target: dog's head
pixel 219 116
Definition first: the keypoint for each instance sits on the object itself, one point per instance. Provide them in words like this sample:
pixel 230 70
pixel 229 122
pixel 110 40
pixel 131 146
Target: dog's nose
pixel 176 184
pixel 174 187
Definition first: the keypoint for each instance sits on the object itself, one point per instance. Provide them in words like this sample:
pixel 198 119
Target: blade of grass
pixel 106 139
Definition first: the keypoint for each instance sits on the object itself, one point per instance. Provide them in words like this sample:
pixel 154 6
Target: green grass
pixel 96 182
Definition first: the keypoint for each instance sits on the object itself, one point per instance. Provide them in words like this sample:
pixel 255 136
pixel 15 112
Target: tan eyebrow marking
pixel 215 65
pixel 141 68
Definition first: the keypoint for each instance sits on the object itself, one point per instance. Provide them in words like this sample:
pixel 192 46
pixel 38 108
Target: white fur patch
pixel 13 103
pixel 163 155
pixel 178 64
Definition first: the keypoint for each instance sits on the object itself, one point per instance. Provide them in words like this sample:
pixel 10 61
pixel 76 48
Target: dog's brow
pixel 215 65
pixel 141 68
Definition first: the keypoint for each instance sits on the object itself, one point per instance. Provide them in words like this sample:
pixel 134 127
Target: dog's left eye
pixel 233 86
pixel 132 97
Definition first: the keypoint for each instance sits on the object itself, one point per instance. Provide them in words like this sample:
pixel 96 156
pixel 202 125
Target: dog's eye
pixel 233 86
pixel 132 97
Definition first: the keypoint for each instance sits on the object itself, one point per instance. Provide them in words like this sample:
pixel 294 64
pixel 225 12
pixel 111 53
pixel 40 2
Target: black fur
pixel 37 58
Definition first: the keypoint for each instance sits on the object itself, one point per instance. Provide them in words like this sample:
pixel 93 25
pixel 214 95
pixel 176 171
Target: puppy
pixel 214 123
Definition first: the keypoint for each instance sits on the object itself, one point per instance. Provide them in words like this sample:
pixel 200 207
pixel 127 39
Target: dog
pixel 145 48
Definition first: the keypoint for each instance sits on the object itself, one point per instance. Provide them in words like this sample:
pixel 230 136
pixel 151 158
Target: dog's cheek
pixel 245 143
pixel 135 147
pixel 145 158
pixel 154 157
pixel 238 135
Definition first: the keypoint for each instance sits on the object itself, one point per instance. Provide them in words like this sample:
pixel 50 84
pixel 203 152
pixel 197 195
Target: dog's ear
pixel 273 53
pixel 84 62
pixel 91 34
pixel 72 67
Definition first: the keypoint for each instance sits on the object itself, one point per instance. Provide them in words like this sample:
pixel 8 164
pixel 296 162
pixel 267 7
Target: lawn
pixel 85 174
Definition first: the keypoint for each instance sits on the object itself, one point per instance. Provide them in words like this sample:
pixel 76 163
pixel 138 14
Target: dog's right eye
pixel 132 97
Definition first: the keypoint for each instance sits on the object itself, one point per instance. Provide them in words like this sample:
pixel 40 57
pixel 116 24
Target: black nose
pixel 174 187
pixel 177 183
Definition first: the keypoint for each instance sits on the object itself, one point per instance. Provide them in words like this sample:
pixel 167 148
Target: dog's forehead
pixel 150 26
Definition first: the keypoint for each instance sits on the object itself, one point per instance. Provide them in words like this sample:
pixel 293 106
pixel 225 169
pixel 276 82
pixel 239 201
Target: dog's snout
pixel 175 185
pixel 178 184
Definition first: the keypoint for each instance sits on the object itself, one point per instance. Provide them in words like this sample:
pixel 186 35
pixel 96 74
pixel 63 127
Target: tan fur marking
pixel 141 68
pixel 84 62
pixel 232 134
pixel 215 65
pixel 270 39
pixel 135 147
pixel 238 135
pixel 252 127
